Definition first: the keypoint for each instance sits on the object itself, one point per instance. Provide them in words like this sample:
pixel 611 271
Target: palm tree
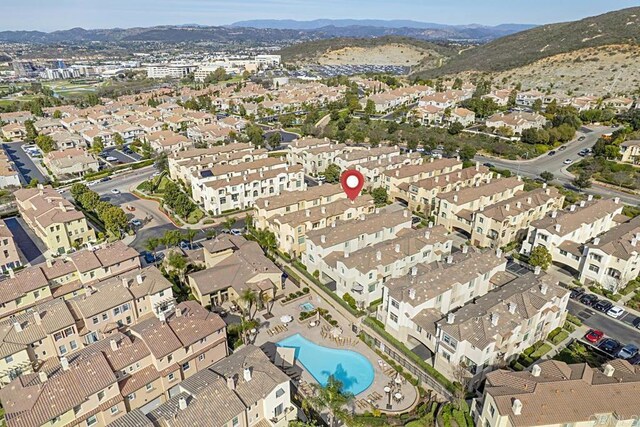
pixel 267 300
pixel 248 298
pixel 210 233
pixel 332 397
pixel 190 234
pixel 171 238
pixel 177 262
pixel 228 223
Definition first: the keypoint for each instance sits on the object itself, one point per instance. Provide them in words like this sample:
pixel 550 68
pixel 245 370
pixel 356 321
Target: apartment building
pixel 101 382
pixel 314 154
pixel 498 326
pixel 351 159
pixel 9 257
pixel 413 303
pixel 71 162
pixel 373 170
pixel 516 121
pixel 563 232
pixel 456 208
pixel 245 389
pixel 176 71
pixel 9 174
pixel 240 186
pixel 64 278
pixel 611 259
pixel 394 178
pixel 363 273
pixel 508 221
pixel 543 395
pixel 421 195
pixel 630 151
pixel 233 265
pixel 53 219
pixel 295 201
pixel 291 229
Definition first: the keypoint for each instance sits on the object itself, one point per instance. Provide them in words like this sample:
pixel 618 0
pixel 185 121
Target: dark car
pixel 148 257
pixel 489 165
pixel 562 148
pixel 576 293
pixel 636 322
pixel 582 138
pixel 603 305
pixel 589 299
pixel 609 345
pixel 552 152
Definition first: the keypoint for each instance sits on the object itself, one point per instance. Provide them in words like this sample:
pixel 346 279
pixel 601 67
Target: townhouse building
pixel 314 154
pixel 528 98
pixel 414 302
pixel 53 219
pixel 498 326
pixel 563 232
pixel 121 373
pixel 246 389
pixel 236 187
pixel 9 174
pixel 234 265
pixel 352 159
pixel 630 151
pixel 500 96
pixel 540 396
pixel 363 272
pixel 9 256
pixel 508 220
pixel 71 162
pixel 373 170
pixel 395 179
pixel 64 278
pixel 516 121
pixel 611 259
pixel 421 195
pixel 14 131
pixel 455 209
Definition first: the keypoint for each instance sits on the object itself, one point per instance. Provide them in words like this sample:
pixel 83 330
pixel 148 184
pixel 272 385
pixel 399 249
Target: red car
pixel 594 335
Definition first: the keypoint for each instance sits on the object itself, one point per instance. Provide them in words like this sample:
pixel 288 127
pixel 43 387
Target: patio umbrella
pixel 286 318
pixel 317 316
pixel 336 332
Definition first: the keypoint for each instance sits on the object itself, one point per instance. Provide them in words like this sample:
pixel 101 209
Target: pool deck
pixel 374 396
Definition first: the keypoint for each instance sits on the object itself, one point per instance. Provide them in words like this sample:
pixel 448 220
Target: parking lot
pixel 349 70
pixel 25 164
pixel 120 156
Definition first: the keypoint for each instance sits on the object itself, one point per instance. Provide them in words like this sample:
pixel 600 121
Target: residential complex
pixel 9 256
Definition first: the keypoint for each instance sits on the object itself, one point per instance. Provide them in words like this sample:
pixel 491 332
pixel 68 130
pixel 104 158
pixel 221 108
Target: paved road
pixel 23 162
pixel 555 164
pixel 25 241
pixel 619 329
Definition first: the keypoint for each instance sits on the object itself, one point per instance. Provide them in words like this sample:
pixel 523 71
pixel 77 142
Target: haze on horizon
pixel 47 15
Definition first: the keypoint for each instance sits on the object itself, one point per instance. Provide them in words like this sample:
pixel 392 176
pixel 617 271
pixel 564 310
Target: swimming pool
pixel 307 306
pixel 351 368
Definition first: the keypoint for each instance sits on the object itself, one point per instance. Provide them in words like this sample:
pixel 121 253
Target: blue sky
pixel 50 15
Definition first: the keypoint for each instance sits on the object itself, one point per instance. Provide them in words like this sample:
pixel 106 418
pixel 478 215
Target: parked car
pixel 615 311
pixel 576 293
pixel 237 231
pixel 568 161
pixel 551 153
pixel 589 299
pixel 489 165
pixel 562 148
pixel 594 335
pixel 636 322
pixel 628 351
pixel 185 245
pixel 115 191
pixel 603 305
pixel 609 345
pixel 105 179
pixel 148 257
pixel 136 223
pixel 111 159
pixel 219 311
pixel 582 138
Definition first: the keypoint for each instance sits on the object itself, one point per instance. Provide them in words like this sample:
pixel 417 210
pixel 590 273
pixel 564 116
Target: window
pixel 279 392
pixel 92 420
pixel 95 320
pixel 105 316
pixel 449 340
pixel 185 366
pixel 73 345
pixel 171 376
pixel 395 303
pixel 492 410
pixel 149 387
pixel 394 317
pixel 101 395
pixel 594 268
pixel 114 410
pixel 201 357
pixel 131 397
pixel 235 422
pixel 8 359
pixel 62 349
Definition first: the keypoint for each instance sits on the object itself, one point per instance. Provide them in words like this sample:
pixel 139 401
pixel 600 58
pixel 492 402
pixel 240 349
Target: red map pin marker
pixel 352 182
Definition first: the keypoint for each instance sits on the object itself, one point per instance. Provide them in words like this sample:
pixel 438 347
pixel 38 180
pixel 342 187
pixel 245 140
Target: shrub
pixel 573 319
pixel 350 300
pixel 305 290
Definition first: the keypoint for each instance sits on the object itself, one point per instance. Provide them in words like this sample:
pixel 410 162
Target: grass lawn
pixel 562 335
pixel 195 216
pixel 544 349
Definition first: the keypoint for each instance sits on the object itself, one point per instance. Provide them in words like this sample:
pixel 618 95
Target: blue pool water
pixel 351 368
pixel 307 306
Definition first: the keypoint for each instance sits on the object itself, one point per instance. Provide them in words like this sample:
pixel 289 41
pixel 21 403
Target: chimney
pixel 596 241
pixel 582 203
pixel 378 256
pixel 231 383
pixel 572 208
pixel 430 225
pixel 182 403
pixel 12 273
pixel 323 210
pixel 544 185
pixel 49 263
pixel 494 319
pixel 589 197
pixel 616 200
pixel 162 316
pixel 451 318
pixel 266 203
pixel 465 249
pixel 609 370
pixel 558 227
pixel 362 217
pixel 455 198
pixel 406 214
pixel 499 253
pixel 536 370
pixel 307 213
pixel 529 200
pixel 507 207
pixel 42 375
pixel 477 166
pixel 516 407
pixel 427 234
pixel 397 248
pixel 450 259
pixel 64 362
pixel 178 312
pixel 323 239
pixel 543 289
pixel 346 253
pixel 125 282
pixel 512 307
pixel 247 373
pixel 412 293
pixel 554 214
pixel 37 317
pixel 113 344
pixel 397 173
pixel 17 326
pixel 537 270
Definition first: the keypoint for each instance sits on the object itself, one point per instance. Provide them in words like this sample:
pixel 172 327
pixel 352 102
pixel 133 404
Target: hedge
pixel 133 166
pixel 573 319
pixel 411 355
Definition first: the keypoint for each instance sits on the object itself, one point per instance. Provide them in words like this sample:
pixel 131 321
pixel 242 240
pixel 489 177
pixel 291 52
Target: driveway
pixel 28 170
pixel 122 157
pixel 619 329
pixel 26 241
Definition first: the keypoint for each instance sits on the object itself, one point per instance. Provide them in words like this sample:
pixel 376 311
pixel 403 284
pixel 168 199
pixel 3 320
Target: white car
pixel 115 191
pixel 568 162
pixel 111 159
pixel 615 311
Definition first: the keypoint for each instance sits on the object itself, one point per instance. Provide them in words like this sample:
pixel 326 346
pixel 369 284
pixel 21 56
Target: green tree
pixel 332 173
pixel 540 257
pixel 147 151
pixel 370 108
pixel 115 220
pixel 33 183
pixel 455 128
pixel 171 238
pixel 77 189
pixel 162 163
pixel 380 196
pixel 275 139
pixel 152 245
pixel 89 200
pixel 537 105
pixel 45 143
pixel 31 131
pixel 189 235
pixel 57 114
pixel 583 180
pixel 255 135
pixel 228 223
pixel 118 140
pixel 97 145
pixel 547 176
pixel 332 397
pixel 248 298
pixel 467 153
pixel 178 263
